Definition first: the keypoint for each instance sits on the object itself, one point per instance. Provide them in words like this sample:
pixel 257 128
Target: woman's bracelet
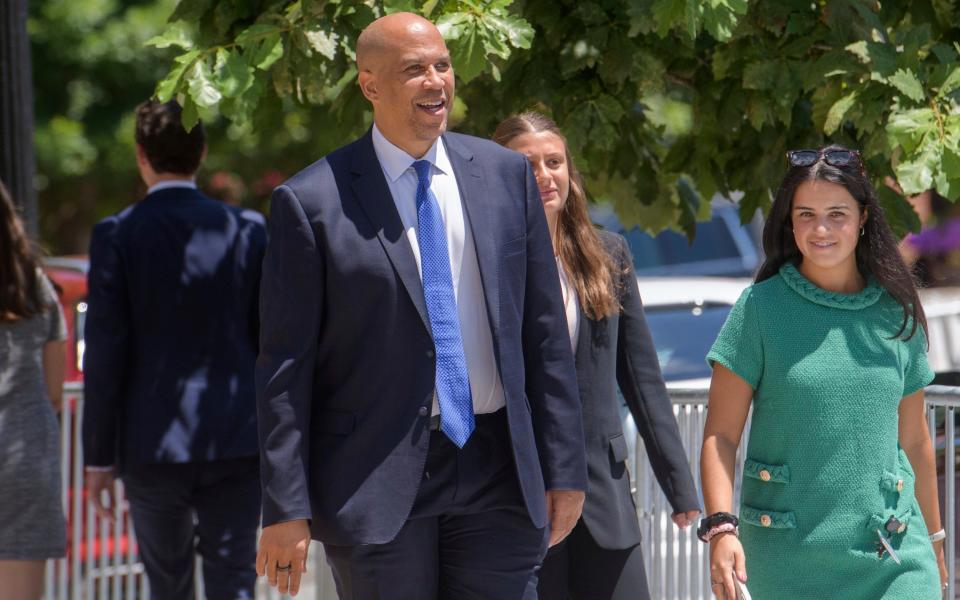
pixel 937 536
pixel 718 529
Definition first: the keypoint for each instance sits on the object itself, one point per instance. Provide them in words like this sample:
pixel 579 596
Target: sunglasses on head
pixel 834 158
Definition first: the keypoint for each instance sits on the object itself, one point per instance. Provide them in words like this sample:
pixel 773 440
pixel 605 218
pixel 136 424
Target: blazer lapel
pixel 374 197
pixel 479 218
pixel 583 353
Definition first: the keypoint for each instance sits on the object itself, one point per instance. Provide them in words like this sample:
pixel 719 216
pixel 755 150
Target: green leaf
pixel 950 84
pixel 236 76
pixel 668 14
pixel 189 116
pixel 947 182
pixel 257 33
pixel 268 52
pixel 908 128
pixel 907 82
pixel 190 10
pixel 916 170
pixel 202 89
pixel 469 55
pixel 170 84
pixel 900 215
pixel 176 34
pixel 720 17
pixel 761 75
pixel 517 30
pixel 881 57
pixel 323 41
pixel 837 112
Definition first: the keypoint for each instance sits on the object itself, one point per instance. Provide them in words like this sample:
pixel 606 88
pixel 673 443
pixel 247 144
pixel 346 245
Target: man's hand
pixel 283 555
pixel 98 483
pixel 563 511
pixel 685 519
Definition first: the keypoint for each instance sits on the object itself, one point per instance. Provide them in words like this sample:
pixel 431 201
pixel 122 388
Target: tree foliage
pixel 664 102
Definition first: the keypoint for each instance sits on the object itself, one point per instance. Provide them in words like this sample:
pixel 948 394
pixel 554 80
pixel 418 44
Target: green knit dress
pixel 824 469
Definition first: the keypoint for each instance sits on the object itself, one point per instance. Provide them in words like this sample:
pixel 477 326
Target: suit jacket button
pixel 765 520
pixel 764 475
pixel 423 411
pixel 429 353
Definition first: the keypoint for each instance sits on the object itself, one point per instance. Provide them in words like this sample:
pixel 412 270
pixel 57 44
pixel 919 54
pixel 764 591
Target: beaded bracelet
pixel 718 529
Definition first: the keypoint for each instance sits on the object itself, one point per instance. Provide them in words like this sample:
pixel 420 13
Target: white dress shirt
pixel 571 304
pixel 397 165
pixel 172 183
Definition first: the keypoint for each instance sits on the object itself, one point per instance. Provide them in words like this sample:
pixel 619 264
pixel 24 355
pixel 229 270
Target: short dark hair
pixel 169 147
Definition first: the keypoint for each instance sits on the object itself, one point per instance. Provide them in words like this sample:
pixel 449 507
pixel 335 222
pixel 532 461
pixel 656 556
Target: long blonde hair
pixel 589 267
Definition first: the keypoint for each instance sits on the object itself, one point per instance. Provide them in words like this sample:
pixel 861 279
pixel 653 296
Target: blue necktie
pixel 453 385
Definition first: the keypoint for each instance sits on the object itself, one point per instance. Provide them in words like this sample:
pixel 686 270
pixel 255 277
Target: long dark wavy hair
pixel 19 263
pixel 876 253
pixel 590 268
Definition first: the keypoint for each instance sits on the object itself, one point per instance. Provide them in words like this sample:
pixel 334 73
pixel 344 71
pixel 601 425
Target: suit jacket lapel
pixel 374 197
pixel 479 218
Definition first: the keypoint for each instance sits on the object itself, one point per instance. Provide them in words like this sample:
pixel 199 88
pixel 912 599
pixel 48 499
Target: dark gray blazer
pixel 619 350
pixel 345 376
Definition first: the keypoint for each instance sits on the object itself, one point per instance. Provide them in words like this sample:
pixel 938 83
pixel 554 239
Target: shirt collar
pixel 396 162
pixel 172 183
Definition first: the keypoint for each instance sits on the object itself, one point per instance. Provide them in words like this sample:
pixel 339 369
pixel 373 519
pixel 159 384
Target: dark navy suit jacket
pixel 619 350
pixel 171 332
pixel 345 375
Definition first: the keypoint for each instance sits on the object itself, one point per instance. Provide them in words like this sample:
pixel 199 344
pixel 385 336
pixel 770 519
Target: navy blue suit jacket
pixel 345 375
pixel 171 332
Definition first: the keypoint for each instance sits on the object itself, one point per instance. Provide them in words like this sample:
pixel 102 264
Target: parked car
pixel 722 246
pixel 69 275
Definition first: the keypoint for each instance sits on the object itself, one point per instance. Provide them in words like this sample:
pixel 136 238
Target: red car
pixel 69 273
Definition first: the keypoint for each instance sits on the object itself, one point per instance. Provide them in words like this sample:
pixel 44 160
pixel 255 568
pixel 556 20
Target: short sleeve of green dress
pixel 823 470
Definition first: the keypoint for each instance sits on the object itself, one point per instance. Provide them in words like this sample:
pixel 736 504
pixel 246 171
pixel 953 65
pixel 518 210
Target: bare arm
pixel 54 366
pixel 915 441
pixel 729 403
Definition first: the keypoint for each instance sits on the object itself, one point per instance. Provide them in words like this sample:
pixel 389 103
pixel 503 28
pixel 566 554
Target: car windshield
pixel 712 242
pixel 682 335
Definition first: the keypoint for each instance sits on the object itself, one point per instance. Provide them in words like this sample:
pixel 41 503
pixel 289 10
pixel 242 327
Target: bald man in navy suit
pixel 417 399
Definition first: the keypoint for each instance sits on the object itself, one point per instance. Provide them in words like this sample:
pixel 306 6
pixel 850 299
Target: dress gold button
pixel 899 485
pixel 765 475
pixel 765 520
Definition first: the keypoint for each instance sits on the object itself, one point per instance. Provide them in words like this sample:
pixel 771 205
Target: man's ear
pixel 368 85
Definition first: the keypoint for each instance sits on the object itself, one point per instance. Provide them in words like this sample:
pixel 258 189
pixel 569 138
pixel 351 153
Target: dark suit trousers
pixel 579 569
pixel 208 507
pixel 468 537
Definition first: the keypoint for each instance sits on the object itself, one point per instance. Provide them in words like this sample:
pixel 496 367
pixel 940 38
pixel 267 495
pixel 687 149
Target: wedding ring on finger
pixel 287 567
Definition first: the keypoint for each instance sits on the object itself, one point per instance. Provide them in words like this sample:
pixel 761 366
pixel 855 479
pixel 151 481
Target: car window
pixel 682 335
pixel 713 241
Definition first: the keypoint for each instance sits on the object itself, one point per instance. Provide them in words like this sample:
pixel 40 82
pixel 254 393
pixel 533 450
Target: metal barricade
pixel 102 561
pixel 678 564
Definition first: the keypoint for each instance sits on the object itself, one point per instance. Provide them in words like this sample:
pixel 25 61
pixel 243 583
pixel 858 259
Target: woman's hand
pixel 685 519
pixel 726 561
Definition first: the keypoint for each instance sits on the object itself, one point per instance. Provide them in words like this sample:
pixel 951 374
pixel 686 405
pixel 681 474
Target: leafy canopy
pixel 664 102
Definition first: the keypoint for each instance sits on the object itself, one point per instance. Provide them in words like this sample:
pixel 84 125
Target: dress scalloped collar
pixel 868 296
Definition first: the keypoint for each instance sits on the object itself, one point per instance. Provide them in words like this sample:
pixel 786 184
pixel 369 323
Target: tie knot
pixel 422 167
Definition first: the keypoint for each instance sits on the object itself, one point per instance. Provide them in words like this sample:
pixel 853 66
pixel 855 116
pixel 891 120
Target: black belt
pixel 477 418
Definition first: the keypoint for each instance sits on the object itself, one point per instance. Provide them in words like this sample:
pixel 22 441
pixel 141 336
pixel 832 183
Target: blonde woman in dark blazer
pixel 601 559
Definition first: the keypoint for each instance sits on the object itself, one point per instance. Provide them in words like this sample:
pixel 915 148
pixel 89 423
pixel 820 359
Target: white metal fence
pixel 102 562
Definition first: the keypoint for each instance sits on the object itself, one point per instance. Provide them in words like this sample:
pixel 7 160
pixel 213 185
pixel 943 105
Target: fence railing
pixel 102 561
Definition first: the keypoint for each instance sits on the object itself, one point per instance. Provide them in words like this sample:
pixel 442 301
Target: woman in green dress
pixel 839 494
